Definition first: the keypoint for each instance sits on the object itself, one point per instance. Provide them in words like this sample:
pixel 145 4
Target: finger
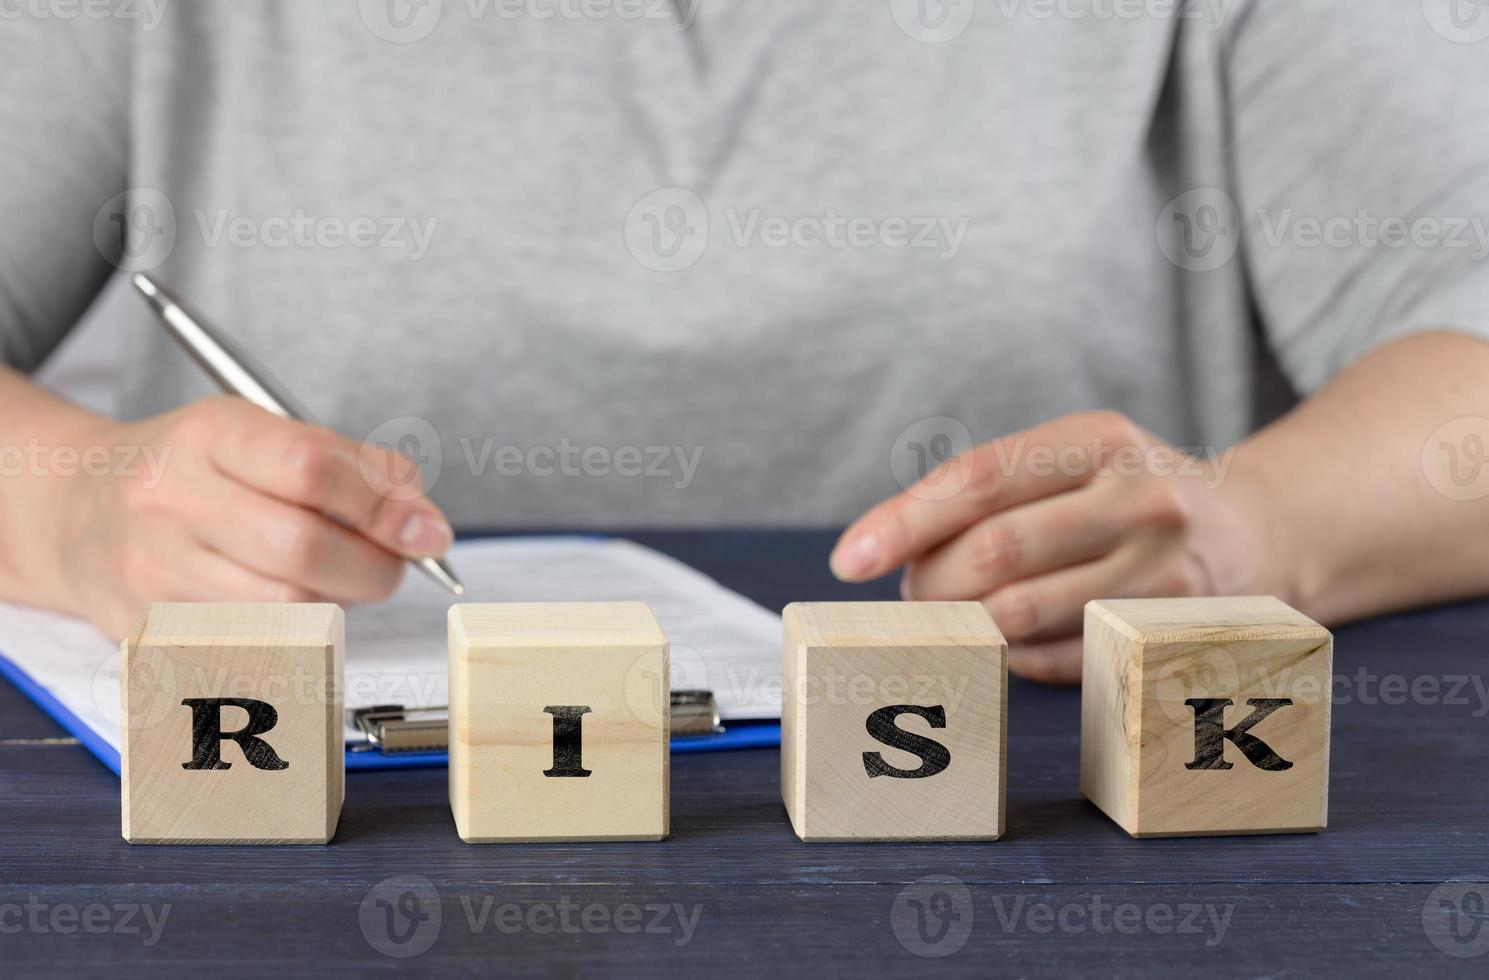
pixel 1057 663
pixel 180 569
pixel 1052 606
pixel 993 477
pixel 370 490
pixel 1039 537
pixel 290 544
pixel 212 577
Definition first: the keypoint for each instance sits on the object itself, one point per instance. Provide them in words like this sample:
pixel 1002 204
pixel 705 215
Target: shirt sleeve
pixel 1360 146
pixel 63 158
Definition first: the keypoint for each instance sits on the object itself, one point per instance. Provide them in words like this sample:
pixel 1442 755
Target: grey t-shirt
pixel 616 262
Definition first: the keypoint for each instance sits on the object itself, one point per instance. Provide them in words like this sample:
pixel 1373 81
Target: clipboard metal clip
pixel 393 728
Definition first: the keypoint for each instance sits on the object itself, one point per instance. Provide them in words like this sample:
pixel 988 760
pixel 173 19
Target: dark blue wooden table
pixel 1392 888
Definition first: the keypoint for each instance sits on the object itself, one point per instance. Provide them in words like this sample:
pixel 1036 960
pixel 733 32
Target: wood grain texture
pixel 1206 716
pixel 532 681
pixel 1407 808
pixel 288 657
pixel 851 669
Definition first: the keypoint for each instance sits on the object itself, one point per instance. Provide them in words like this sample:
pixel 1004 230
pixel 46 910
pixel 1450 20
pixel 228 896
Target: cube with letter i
pixel 1206 716
pixel 558 722
pixel 232 725
pixel 893 721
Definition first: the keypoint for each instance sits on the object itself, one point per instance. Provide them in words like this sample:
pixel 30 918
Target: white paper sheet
pixel 396 651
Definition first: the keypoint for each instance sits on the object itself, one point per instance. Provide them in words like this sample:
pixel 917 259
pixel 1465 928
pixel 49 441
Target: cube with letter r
pixel 231 724
pixel 893 721
pixel 1206 716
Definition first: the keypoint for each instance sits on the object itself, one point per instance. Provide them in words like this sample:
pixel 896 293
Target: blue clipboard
pixel 737 735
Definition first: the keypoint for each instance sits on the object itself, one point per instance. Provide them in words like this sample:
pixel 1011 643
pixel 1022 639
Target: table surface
pixel 1388 889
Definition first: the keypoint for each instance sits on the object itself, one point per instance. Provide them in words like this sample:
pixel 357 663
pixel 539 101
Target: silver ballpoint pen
pixel 238 374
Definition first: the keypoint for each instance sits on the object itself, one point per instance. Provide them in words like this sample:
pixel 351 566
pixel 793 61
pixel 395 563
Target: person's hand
pixel 222 501
pixel 1036 524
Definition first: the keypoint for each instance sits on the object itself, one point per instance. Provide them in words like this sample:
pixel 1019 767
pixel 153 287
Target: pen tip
pixel 145 284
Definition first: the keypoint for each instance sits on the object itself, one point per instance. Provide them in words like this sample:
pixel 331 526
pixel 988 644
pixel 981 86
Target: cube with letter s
pixel 893 721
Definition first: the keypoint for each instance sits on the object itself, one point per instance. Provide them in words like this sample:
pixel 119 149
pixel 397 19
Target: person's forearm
pixel 34 426
pixel 1349 523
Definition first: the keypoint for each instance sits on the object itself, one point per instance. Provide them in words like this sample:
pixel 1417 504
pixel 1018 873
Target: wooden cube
pixel 558 722
pixel 893 721
pixel 1206 716
pixel 232 724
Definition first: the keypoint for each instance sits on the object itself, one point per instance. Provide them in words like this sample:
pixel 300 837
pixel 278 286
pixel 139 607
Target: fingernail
pixel 856 559
pixel 425 535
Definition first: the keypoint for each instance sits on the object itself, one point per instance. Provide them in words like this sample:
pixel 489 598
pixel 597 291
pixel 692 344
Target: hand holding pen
pixel 222 500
